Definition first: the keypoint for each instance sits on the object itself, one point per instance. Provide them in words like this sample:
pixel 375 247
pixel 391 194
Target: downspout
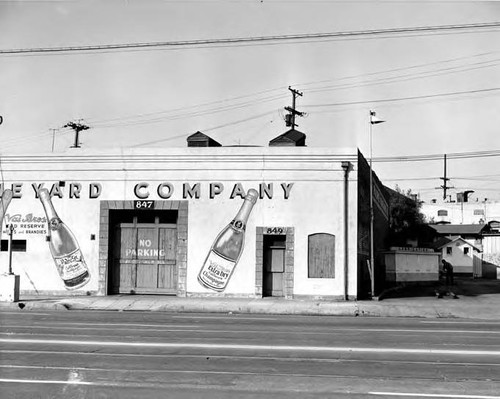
pixel 347 166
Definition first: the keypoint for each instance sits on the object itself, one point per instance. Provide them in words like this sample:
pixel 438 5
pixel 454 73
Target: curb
pixel 30 306
pixel 438 310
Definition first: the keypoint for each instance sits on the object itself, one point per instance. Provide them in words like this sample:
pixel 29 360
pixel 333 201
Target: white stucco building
pixel 145 220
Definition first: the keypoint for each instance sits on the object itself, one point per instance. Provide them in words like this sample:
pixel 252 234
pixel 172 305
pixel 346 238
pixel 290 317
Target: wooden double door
pixel 144 258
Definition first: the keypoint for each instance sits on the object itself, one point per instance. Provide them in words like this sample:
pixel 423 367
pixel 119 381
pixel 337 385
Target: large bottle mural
pixel 4 204
pixel 64 247
pixel 227 248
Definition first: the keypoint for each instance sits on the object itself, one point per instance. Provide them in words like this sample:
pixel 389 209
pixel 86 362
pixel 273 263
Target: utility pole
pixel 445 186
pixel 290 118
pixel 77 127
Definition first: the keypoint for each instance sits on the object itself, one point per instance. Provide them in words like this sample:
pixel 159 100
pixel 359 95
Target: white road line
pixel 443 322
pixel 49 382
pixel 430 395
pixel 69 325
pixel 16 313
pixel 226 316
pixel 197 328
pixel 240 356
pixel 256 347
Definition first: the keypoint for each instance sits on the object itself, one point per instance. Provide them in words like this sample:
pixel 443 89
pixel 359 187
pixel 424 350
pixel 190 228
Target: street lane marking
pixel 69 325
pixel 226 317
pixel 256 347
pixel 197 328
pixel 251 357
pixel 71 382
pixel 436 395
pixel 16 313
pixel 459 322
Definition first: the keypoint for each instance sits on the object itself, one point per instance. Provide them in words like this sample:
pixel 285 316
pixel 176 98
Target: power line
pixel 163 115
pixel 258 98
pixel 385 100
pixel 188 114
pixel 256 39
pixel 204 130
pixel 439 157
pixel 400 69
pixel 408 76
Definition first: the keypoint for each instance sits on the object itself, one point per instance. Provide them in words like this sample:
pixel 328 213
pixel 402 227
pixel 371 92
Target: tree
pixel 406 219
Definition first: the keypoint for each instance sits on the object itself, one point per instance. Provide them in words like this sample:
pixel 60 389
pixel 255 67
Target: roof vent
pixel 292 138
pixel 200 139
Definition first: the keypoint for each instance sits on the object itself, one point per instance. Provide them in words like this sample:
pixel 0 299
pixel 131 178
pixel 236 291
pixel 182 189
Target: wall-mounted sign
pixel 274 230
pixel 162 191
pixel 144 204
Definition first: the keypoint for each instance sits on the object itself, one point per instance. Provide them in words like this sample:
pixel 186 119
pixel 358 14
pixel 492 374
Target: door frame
pixel 105 235
pixel 288 277
pixel 272 279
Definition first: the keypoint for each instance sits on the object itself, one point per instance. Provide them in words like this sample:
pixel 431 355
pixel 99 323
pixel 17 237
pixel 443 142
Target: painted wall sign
pixel 227 248
pixel 64 248
pixel 27 223
pixel 164 190
pixel 146 249
pixel 72 190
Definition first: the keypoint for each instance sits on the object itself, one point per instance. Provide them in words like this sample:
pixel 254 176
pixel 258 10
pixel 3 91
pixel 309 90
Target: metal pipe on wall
pixel 347 166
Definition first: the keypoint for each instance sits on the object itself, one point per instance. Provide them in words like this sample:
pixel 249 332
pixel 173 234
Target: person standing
pixel 448 271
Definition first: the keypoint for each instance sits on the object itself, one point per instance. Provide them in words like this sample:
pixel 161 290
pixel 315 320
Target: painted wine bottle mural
pixel 4 204
pixel 227 248
pixel 64 247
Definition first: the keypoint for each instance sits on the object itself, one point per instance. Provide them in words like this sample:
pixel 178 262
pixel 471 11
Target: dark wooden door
pixel 144 260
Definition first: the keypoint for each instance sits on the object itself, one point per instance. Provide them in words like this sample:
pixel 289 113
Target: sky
pixel 438 91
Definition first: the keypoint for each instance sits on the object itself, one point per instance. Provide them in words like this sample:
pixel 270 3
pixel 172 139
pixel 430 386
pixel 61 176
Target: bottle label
pixel 54 223
pixel 71 266
pixel 216 271
pixel 238 225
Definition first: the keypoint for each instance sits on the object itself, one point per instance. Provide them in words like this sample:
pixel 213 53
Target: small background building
pixel 464 256
pixel 483 241
pixel 474 211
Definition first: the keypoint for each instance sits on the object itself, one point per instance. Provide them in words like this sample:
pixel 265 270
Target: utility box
pixel 9 288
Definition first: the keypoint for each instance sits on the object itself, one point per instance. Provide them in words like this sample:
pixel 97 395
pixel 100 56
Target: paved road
pixel 81 354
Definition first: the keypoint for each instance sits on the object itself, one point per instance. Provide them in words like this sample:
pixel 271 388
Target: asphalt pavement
pixel 469 298
pixel 129 355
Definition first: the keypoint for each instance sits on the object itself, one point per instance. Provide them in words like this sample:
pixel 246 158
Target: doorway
pixel 274 265
pixel 143 252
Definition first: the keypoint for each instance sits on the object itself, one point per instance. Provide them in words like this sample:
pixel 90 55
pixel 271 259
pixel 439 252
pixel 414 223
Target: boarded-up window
pixel 321 262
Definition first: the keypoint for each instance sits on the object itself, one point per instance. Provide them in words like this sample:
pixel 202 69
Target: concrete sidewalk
pixel 485 306
pixel 477 299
